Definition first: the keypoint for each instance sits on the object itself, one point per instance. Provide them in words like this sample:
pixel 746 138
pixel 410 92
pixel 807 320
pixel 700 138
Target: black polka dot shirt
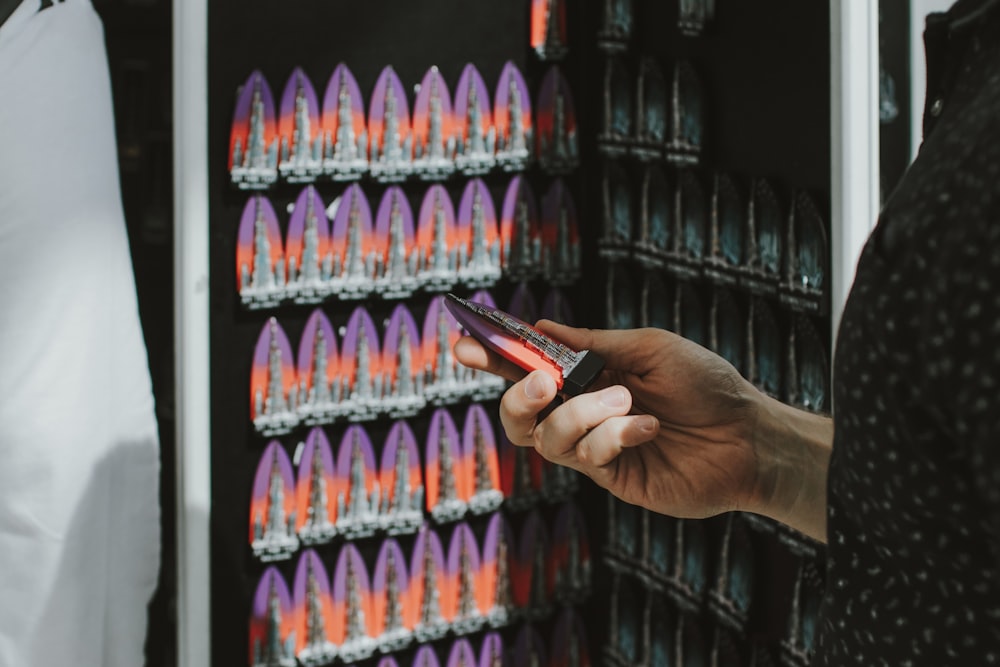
pixel 914 491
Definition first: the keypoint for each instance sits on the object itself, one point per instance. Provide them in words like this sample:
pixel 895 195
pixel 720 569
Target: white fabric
pixel 79 470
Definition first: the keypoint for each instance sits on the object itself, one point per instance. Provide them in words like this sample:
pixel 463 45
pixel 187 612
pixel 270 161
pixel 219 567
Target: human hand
pixel 668 426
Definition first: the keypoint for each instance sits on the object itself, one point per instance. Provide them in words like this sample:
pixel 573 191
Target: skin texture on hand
pixel 672 427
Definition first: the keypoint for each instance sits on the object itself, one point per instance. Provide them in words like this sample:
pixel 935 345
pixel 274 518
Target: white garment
pixel 79 466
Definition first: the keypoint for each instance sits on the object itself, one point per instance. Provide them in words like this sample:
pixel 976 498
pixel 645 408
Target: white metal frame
pixel 854 132
pixel 191 236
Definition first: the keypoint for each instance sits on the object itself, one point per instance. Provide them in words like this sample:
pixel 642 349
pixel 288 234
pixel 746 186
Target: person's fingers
pixel 473 354
pixel 557 436
pixel 603 444
pixel 620 348
pixel 627 349
pixel 521 404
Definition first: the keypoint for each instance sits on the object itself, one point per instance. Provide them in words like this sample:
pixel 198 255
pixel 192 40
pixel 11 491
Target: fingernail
pixel 613 398
pixel 648 424
pixel 534 388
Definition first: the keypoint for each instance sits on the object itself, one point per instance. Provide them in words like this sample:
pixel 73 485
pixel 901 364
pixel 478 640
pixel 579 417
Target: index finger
pixel 522 404
pixel 470 352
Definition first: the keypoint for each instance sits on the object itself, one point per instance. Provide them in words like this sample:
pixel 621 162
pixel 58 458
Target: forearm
pixel 793 452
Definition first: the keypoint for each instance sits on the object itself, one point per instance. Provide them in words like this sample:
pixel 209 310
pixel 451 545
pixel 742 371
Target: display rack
pixel 215 50
pixel 726 232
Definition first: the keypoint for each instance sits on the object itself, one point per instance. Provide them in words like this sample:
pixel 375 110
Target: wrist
pixel 792 449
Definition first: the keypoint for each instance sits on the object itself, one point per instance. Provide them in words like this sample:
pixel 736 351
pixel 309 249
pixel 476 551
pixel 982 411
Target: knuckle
pixel 540 440
pixel 600 457
pixel 601 445
pixel 512 407
pixel 540 449
pixel 575 413
pixel 584 453
pixel 619 430
pixel 516 434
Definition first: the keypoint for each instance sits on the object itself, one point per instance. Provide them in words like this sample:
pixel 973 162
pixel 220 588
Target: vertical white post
pixel 855 137
pixel 190 91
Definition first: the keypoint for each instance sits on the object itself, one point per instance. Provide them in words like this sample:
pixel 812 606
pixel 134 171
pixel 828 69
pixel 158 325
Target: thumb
pixel 620 348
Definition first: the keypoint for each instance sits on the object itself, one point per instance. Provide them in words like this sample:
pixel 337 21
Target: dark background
pixel 894 65
pixel 766 70
pixel 139 37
